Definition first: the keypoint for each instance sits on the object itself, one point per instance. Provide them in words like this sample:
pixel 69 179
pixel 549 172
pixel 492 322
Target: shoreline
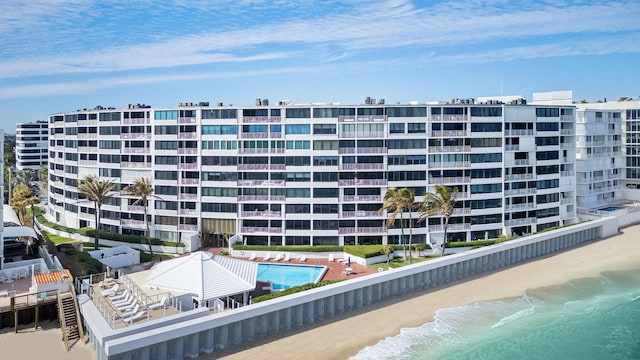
pixel 345 337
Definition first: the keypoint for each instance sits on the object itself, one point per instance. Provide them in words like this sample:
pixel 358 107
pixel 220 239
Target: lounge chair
pixel 303 258
pixel 159 304
pixel 126 300
pixel 111 291
pixel 277 258
pixel 135 317
pixel 331 259
pixel 131 311
pixel 287 257
pixel 120 296
pixel 267 257
pixel 128 306
pixel 252 257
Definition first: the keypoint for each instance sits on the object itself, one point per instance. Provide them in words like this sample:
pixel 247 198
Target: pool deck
pixel 335 269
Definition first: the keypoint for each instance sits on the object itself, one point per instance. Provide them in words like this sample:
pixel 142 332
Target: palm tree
pixel 397 201
pixel 442 203
pixel 97 191
pixel 143 190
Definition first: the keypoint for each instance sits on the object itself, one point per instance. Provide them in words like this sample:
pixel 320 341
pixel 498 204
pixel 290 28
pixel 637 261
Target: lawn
pixel 397 262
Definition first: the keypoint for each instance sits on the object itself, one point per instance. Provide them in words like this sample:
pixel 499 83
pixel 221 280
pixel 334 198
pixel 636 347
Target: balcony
pixel 275 135
pixel 136 150
pixel 518 132
pixel 450 180
pixel 363 230
pixel 188 151
pixel 90 136
pixel 519 222
pixel 346 151
pixel 135 136
pixel 188 227
pixel 512 147
pixel 257 213
pixel 187 135
pixel 362 198
pixel 361 213
pixel 258 229
pixel 253 197
pixel 135 208
pixel 186 120
pixel 371 150
pixel 254 151
pixel 368 166
pixel 188 166
pixel 141 121
pixel 187 212
pixel 518 207
pixel 189 181
pixel 261 119
pixel 183 196
pixel 253 166
pixel 451 227
pixel 527 191
pixel 366 182
pixel 449 133
pixel 135 165
pixel 254 135
pixel 138 224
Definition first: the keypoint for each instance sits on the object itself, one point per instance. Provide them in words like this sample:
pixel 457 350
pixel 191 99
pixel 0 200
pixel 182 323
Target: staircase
pixel 69 317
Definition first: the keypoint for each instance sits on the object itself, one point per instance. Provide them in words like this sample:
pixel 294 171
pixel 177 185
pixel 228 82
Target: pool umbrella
pixel 349 261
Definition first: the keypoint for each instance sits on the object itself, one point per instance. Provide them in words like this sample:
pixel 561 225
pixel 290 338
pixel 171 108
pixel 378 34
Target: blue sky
pixel 62 55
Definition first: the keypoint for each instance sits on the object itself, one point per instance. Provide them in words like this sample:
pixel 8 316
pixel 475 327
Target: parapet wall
pixel 207 334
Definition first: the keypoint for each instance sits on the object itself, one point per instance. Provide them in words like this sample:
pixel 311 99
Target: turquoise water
pixel 285 276
pixel 584 319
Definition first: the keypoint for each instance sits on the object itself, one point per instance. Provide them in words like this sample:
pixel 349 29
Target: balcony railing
pixel 135 165
pixel 142 121
pixel 450 180
pixel 362 213
pixel 253 197
pixel 518 222
pixel 188 166
pixel 261 119
pixel 136 150
pixel 366 182
pixel 362 230
pixel 187 135
pixel 362 198
pixel 132 223
pixel 187 196
pixel 189 181
pixel 188 227
pixel 254 151
pixel 371 150
pixel 253 166
pixel 259 229
pixel 187 151
pixel 368 166
pixel 135 136
pixel 254 135
pixel 449 133
pixel 186 120
pixel 258 213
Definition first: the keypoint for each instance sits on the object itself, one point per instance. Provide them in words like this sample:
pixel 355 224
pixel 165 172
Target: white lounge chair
pixel 159 304
pixel 111 291
pixel 303 258
pixel 119 297
pixel 131 311
pixel 267 257
pixel 127 299
pixel 128 306
pixel 331 259
pixel 287 257
pixel 277 258
pixel 135 317
pixel 253 256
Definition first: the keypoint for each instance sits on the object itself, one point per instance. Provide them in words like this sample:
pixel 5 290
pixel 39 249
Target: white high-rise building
pixel 32 145
pixel 316 174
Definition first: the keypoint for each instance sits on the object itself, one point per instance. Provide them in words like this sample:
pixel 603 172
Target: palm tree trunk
pixel 97 233
pixel 444 239
pixel 146 224
pixel 410 237
pixel 404 245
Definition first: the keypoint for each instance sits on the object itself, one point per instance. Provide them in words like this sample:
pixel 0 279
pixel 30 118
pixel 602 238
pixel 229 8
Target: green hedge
pixel 477 243
pixel 133 239
pixel 291 248
pixel 293 290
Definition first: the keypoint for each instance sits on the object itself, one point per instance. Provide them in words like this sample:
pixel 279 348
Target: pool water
pixel 284 276
pixel 611 208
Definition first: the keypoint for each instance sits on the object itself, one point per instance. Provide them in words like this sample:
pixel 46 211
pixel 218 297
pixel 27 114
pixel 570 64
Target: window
pixel 297 129
pixel 166 130
pixel 486 127
pixel 486 188
pixel 486 111
pixel 166 175
pixel 416 128
pixel 166 160
pixel 324 129
pixel 407 144
pixel 166 145
pixel 407 112
pixel 325 176
pixel 325 145
pixel 325 208
pixel 547 126
pixel 547 112
pixel 297 193
pixel 325 193
pixel 219 191
pixel 302 113
pixel 396 128
pixel 219 207
pixel 298 145
pixel 297 208
pixel 165 115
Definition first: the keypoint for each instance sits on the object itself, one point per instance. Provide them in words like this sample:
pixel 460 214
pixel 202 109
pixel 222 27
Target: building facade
pixel 316 174
pixel 32 145
pixel 599 162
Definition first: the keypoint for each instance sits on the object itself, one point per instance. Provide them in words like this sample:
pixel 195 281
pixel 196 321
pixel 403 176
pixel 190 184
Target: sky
pixel 64 55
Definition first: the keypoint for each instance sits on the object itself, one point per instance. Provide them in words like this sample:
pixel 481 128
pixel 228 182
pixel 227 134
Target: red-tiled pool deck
pixel 335 269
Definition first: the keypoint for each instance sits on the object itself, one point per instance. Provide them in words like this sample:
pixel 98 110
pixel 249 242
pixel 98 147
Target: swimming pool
pixel 284 276
pixel 611 208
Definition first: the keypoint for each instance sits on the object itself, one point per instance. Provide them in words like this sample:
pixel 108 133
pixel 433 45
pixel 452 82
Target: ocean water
pixel 597 318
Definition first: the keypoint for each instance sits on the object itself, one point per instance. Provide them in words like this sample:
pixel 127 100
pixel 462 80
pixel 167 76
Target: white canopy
pixel 11 232
pixel 205 275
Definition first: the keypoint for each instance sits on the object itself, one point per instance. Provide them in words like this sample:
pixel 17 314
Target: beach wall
pixel 207 334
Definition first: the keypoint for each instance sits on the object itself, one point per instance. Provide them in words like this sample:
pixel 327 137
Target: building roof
pixel 10 232
pixel 54 277
pixel 205 275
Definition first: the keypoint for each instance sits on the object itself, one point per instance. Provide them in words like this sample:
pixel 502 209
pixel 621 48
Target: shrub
pixel 132 239
pixel 293 290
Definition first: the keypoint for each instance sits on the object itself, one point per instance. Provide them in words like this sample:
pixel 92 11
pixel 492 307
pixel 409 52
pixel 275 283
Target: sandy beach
pixel 345 337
